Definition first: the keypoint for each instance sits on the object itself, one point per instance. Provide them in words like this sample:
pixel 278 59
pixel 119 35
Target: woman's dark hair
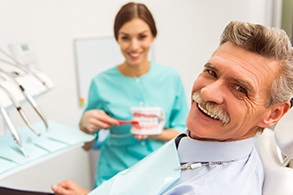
pixel 130 11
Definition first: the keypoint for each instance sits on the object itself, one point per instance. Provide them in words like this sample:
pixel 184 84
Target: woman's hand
pixel 140 137
pixel 69 187
pixel 93 120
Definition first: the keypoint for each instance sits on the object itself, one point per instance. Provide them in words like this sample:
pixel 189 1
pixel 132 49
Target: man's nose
pixel 214 92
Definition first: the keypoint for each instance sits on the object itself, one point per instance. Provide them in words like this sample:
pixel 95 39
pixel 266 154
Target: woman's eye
pixel 141 37
pixel 241 89
pixel 124 38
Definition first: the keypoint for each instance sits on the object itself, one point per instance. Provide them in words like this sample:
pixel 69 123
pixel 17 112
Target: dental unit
pixel 13 131
pixel 28 96
pixel 22 67
pixel 18 108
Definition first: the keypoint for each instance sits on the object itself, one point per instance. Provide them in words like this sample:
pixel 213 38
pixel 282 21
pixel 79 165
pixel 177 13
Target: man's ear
pixel 275 113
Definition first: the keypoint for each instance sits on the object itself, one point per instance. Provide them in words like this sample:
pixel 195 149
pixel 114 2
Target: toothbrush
pixel 128 122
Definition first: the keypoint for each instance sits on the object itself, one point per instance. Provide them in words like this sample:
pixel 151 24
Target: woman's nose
pixel 134 44
pixel 214 92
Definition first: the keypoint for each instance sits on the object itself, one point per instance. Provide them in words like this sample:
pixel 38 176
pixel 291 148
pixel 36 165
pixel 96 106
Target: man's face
pixel 229 98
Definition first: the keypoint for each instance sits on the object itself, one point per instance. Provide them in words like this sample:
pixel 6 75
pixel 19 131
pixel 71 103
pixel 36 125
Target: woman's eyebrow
pixel 124 33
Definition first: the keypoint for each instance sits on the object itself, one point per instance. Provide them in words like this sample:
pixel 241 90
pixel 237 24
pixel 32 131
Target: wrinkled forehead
pixel 233 61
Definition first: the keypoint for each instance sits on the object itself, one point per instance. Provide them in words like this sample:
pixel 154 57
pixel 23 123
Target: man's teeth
pixel 212 115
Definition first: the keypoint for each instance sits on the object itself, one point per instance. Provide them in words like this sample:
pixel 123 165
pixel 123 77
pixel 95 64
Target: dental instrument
pixel 19 109
pixel 13 131
pixel 28 97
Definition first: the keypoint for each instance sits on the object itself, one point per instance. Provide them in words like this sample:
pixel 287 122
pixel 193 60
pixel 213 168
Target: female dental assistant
pixel 133 83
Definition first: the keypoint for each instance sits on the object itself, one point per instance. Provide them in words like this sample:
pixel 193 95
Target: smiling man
pixel 244 87
pixel 230 97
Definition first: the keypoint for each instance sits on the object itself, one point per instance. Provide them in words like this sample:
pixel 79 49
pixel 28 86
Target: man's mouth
pixel 207 113
pixel 210 109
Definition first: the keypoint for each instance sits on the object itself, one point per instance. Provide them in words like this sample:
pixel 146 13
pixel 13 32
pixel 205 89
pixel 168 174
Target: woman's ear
pixel 275 113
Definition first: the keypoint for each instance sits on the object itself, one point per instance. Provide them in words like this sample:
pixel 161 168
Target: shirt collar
pixel 191 150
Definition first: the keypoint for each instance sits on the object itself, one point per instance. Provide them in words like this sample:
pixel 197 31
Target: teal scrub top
pixel 116 94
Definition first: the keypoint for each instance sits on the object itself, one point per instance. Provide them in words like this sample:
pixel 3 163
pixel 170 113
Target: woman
pixel 135 82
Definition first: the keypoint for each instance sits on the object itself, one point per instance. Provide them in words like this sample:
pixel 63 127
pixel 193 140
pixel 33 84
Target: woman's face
pixel 135 38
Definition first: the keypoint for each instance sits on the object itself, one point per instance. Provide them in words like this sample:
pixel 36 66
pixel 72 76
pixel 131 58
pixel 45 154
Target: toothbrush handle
pixel 128 122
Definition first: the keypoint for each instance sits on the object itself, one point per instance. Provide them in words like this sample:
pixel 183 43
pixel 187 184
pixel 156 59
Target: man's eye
pixel 241 89
pixel 213 73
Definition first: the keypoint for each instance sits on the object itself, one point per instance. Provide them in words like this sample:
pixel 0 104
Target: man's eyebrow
pixel 209 65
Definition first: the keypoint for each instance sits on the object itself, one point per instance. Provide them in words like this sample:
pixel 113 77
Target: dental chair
pixel 275 148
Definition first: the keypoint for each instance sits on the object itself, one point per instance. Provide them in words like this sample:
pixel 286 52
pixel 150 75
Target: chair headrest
pixel 284 134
